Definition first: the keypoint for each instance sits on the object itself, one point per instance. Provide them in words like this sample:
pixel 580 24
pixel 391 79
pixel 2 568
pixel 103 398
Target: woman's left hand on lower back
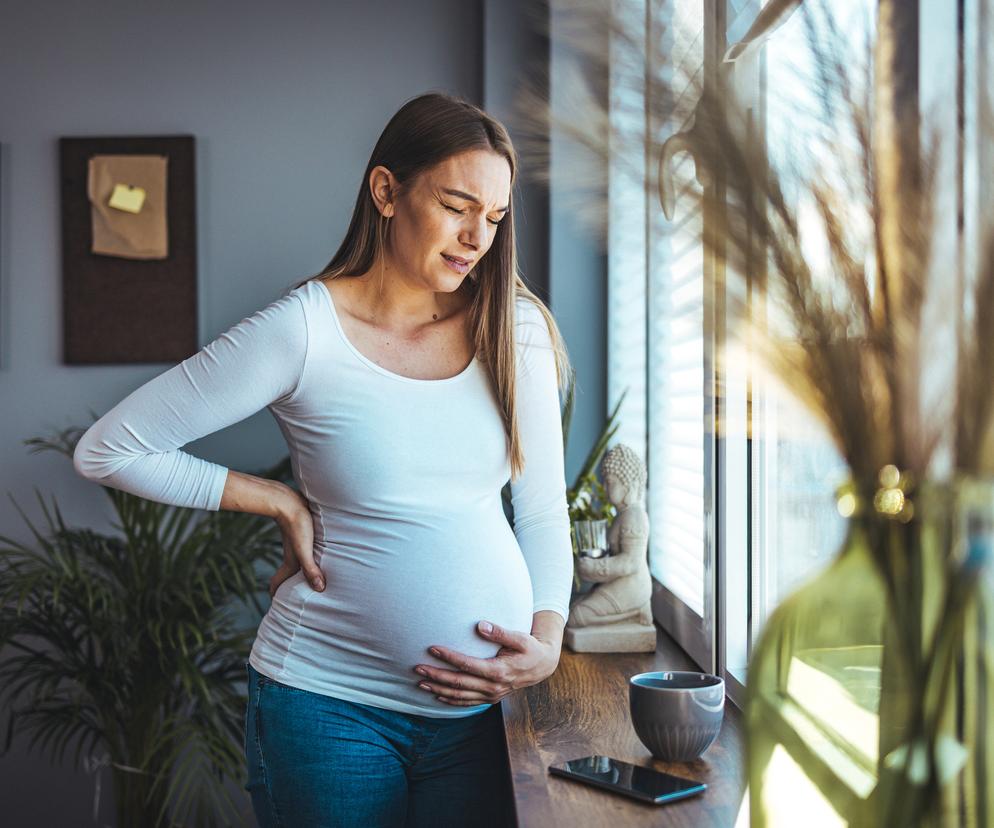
pixel 522 660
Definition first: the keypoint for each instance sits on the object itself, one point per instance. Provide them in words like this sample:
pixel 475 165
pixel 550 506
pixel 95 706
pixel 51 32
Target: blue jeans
pixel 316 761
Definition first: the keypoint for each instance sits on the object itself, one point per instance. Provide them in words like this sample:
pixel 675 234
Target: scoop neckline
pixel 379 368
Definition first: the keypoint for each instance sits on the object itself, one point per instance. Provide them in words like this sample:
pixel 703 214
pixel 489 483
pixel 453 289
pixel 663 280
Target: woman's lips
pixel 458 267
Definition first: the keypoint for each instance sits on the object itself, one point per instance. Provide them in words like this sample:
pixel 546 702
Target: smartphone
pixel 644 784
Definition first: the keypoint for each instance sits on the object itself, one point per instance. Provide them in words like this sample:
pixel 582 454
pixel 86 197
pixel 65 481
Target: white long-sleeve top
pixel 403 477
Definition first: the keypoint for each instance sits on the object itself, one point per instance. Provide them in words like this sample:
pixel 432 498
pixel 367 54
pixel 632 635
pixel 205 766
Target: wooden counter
pixel 582 709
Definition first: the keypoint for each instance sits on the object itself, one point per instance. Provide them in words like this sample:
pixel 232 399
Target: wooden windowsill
pixel 582 709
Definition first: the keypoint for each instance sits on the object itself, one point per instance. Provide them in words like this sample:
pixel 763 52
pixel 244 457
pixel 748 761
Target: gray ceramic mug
pixel 677 715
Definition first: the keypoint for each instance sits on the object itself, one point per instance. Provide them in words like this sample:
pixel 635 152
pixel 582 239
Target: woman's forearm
pixel 259 496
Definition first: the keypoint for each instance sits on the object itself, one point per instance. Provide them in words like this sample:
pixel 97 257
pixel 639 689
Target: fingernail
pixel 422 671
pixel 434 652
pixel 319 583
pixel 487 627
pixel 424 686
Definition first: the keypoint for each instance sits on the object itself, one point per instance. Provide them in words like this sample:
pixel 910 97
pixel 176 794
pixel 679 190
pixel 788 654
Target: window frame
pixel 704 638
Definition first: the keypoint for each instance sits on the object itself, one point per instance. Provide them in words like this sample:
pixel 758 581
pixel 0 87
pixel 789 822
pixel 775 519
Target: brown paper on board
pixel 142 235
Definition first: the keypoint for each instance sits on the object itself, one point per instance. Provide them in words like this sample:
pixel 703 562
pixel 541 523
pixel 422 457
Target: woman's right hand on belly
pixel 297 528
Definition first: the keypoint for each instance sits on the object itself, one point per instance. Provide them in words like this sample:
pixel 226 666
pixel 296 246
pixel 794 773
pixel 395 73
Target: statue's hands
pixel 592 569
pixel 523 660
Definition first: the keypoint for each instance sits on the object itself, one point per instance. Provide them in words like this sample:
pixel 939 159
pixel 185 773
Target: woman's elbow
pixel 90 458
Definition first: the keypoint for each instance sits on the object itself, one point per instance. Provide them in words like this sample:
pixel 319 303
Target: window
pixel 742 513
pixel 660 346
pixel 677 363
pixel 781 469
pixel 680 496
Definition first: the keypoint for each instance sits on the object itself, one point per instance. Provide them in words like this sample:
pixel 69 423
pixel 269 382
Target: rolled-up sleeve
pixel 541 515
pixel 136 446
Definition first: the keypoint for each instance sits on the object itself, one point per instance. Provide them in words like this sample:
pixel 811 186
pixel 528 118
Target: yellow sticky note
pixel 126 197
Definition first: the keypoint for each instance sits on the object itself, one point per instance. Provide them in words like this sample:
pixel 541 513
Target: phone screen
pixel 623 777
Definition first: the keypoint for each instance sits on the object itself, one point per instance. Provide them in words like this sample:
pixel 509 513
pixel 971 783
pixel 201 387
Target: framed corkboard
pixel 127 310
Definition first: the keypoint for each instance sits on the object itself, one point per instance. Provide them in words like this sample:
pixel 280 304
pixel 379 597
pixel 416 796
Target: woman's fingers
pixel 280 576
pixel 514 639
pixel 444 693
pixel 455 685
pixel 484 679
pixel 312 571
pixel 289 567
pixel 492 669
pixel 489 668
pixel 298 547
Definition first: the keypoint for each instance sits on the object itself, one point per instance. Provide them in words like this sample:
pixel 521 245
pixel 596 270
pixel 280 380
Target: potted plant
pixel 128 650
pixel 590 512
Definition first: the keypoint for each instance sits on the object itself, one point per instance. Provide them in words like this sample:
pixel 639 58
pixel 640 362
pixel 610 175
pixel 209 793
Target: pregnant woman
pixel 411 378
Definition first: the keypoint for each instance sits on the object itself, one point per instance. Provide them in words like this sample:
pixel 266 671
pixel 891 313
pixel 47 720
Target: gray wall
pixel 552 239
pixel 516 53
pixel 285 101
pixel 577 259
pixel 285 106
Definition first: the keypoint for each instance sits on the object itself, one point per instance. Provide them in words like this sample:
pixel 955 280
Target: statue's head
pixel 627 470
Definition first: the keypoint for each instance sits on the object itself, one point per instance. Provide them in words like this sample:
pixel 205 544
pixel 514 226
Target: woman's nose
pixel 475 233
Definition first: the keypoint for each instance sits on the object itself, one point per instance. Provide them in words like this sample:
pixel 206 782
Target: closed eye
pixel 462 212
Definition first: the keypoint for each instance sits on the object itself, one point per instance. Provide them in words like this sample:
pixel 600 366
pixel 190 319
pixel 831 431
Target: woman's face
pixel 450 210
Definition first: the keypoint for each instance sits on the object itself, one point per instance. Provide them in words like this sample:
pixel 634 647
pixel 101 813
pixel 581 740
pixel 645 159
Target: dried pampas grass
pixel 890 348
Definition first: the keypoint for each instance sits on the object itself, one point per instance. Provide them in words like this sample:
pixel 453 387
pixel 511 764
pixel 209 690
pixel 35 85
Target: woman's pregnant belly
pixel 391 594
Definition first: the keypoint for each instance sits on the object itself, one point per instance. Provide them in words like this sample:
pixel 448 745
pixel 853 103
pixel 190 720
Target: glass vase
pixel 869 697
pixel 590 538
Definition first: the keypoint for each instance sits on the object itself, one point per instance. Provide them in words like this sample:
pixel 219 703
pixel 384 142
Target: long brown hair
pixel 424 132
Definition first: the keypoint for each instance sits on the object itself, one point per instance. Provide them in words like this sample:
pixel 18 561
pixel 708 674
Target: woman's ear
pixel 383 187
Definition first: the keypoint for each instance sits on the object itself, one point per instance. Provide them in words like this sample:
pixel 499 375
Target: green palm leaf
pixel 133 645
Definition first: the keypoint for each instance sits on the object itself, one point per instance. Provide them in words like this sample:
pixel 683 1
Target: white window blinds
pixel 656 302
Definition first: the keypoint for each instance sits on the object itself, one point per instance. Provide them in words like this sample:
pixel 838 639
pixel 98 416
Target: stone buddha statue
pixel 616 615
